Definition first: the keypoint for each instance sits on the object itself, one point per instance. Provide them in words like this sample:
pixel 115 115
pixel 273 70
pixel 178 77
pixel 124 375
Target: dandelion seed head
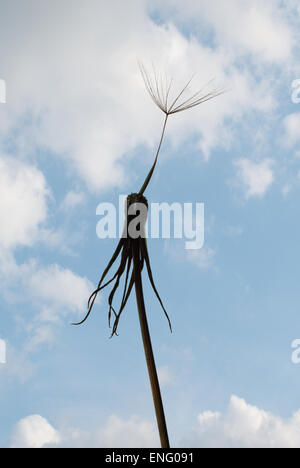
pixel 159 87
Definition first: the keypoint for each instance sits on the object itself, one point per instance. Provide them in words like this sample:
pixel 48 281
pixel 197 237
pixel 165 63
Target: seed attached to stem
pixel 133 251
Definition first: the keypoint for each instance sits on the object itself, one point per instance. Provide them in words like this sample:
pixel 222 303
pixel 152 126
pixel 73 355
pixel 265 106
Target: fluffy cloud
pixel 241 426
pixel 54 292
pixel 292 129
pixel 23 202
pixel 34 432
pixel 83 93
pixel 54 286
pixel 59 288
pixel 260 29
pixel 134 432
pixel 246 426
pixel 255 178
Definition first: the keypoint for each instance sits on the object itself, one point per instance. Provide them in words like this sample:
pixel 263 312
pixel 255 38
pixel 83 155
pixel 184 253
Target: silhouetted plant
pixel 133 252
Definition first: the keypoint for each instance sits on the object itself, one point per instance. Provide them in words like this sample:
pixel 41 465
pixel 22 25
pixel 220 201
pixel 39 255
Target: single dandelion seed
pixel 160 94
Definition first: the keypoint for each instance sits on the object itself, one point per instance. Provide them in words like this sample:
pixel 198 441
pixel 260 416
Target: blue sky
pixel 77 129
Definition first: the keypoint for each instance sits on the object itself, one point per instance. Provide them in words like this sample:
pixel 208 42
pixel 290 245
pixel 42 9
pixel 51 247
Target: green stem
pixel 158 404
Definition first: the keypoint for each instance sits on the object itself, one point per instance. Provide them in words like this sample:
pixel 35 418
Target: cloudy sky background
pixel 78 128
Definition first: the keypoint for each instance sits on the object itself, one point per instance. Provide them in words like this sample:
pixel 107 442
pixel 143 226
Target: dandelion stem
pixel 141 192
pixel 157 399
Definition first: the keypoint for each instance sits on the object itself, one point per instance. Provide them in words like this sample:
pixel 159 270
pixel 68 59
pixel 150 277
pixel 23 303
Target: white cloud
pixel 59 287
pixel 255 178
pixel 84 93
pixel 23 202
pixel 53 287
pixel 292 129
pixel 246 426
pixel 24 198
pixel 260 28
pixel 55 293
pixel 34 432
pixel 241 426
pixel 132 433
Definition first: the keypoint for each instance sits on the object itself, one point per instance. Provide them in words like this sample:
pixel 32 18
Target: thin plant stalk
pixel 157 399
pixel 147 180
